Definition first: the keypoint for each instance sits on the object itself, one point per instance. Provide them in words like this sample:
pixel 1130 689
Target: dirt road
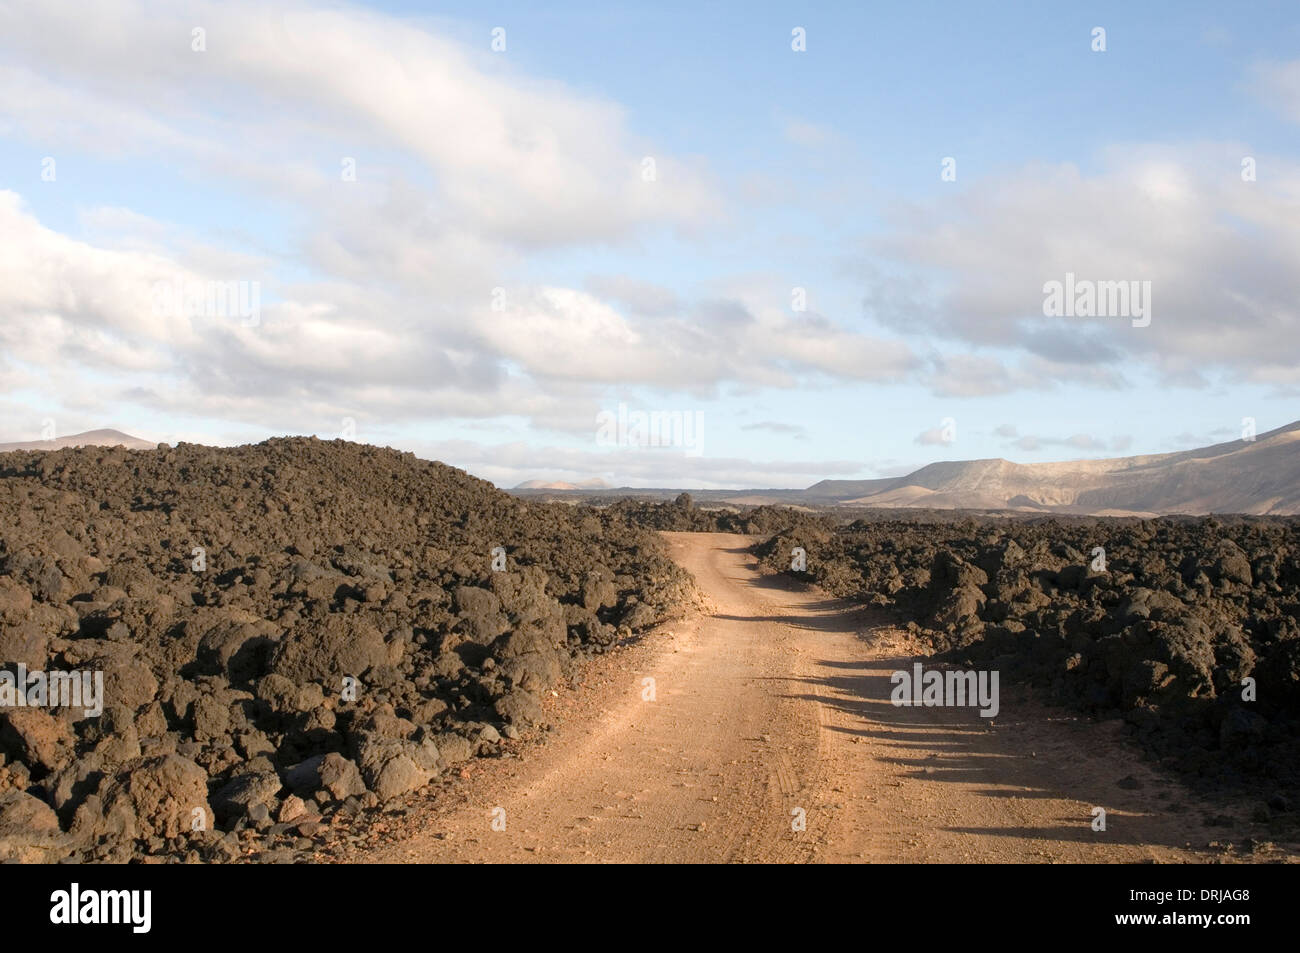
pixel 773 710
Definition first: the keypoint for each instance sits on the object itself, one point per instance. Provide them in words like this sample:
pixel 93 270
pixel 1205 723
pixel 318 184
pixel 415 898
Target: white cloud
pixel 801 132
pixel 558 333
pixel 935 436
pixel 1222 257
pixel 638 297
pixel 328 349
pixel 465 165
pixel 1079 441
pixel 520 160
pixel 510 464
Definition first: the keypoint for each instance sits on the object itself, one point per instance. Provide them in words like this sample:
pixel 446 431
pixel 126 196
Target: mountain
pixel 595 483
pixel 1259 477
pixel 91 438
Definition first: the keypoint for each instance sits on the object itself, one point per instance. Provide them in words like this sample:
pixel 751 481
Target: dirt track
pixel 776 701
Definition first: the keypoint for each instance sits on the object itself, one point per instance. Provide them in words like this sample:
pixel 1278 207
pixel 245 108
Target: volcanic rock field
pixel 300 631
pixel 1186 628
pixel 284 631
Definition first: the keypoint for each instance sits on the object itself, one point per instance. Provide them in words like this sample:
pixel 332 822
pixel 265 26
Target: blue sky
pixel 499 271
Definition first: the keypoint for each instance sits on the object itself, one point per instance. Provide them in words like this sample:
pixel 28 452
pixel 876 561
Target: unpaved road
pixel 775 703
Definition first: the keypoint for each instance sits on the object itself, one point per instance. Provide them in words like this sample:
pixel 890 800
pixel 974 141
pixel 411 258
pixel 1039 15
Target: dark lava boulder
pixel 163 797
pixel 326 651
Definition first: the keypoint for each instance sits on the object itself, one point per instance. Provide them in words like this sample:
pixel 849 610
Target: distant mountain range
pixel 1261 476
pixel 91 438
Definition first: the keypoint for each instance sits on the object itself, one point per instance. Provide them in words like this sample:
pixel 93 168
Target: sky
pixel 748 245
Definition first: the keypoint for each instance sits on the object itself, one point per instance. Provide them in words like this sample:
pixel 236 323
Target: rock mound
pixel 282 631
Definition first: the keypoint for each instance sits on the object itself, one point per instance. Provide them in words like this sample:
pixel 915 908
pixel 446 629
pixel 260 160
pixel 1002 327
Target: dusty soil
pixel 776 701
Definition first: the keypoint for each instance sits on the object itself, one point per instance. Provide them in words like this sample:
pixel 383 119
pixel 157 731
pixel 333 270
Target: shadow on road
pixel 1027 752
pixel 966 748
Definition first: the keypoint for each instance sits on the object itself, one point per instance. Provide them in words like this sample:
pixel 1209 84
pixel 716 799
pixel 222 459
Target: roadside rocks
pixel 520 708
pixel 29 830
pixel 328 650
pixel 760 520
pixel 453 748
pixel 283 631
pixel 36 738
pixel 1186 628
pixel 163 797
pixel 394 773
pixel 331 773
pixel 242 792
